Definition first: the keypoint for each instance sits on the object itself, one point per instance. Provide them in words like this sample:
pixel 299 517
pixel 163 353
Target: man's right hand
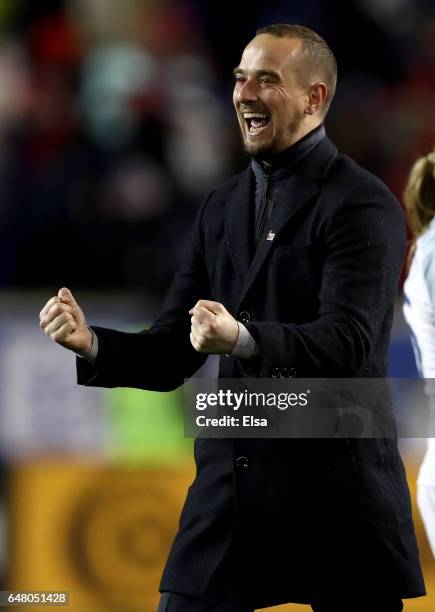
pixel 63 320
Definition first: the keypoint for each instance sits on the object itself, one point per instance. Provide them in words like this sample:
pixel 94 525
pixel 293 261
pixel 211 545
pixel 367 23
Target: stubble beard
pixel 260 150
pixel 269 147
pixel 257 150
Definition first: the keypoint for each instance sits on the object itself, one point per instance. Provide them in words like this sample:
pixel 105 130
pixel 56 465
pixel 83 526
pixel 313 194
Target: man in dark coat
pixel 291 270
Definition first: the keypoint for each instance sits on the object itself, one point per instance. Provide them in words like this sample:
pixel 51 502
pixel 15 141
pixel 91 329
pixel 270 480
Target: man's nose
pixel 247 91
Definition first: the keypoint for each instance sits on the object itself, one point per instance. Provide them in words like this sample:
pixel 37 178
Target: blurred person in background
pixel 419 311
pixel 291 269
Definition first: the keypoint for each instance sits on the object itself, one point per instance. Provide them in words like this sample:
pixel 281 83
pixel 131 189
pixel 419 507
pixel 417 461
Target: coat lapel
pixel 301 189
pixel 238 223
pixel 299 192
pixel 303 186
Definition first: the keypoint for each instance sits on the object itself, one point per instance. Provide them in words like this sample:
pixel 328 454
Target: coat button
pixel 276 373
pixel 249 371
pixel 242 462
pixel 244 316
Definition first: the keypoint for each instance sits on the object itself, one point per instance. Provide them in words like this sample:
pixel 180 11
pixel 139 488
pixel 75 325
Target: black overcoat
pixel 296 519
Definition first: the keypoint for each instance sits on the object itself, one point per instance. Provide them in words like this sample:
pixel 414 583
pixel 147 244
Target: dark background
pixel 116 118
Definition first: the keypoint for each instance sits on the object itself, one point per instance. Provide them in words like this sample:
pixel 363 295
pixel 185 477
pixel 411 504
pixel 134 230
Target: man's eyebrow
pixel 259 73
pixel 270 73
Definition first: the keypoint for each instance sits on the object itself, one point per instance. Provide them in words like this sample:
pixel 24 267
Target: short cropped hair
pixel 317 58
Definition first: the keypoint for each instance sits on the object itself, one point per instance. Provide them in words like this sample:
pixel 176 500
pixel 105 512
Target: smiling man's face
pixel 268 97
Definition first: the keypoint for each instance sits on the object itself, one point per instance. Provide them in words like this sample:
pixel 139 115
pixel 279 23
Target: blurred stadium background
pixel 115 120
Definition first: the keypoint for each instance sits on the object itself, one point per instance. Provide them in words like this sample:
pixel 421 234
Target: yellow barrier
pixel 103 534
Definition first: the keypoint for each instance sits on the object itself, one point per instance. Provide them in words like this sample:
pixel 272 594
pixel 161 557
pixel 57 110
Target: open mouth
pixel 256 122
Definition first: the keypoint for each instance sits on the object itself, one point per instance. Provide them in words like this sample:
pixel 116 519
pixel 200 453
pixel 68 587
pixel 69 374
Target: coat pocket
pixel 308 251
pixel 298 268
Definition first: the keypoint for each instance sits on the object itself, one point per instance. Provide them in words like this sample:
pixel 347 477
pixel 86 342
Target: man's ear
pixel 316 98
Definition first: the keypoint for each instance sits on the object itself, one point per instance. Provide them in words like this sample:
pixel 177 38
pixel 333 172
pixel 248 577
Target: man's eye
pixel 265 80
pixel 239 79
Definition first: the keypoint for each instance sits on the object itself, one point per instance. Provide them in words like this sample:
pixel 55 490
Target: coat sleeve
pixel 365 246
pixel 161 357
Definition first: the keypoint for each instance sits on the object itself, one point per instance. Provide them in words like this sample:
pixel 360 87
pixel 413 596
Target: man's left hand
pixel 213 329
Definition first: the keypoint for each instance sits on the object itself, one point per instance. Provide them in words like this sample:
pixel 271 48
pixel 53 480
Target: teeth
pixel 254 116
pixel 254 131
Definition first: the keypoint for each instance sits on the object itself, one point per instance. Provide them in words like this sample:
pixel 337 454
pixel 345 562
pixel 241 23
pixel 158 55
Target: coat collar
pixel 303 185
pixel 281 165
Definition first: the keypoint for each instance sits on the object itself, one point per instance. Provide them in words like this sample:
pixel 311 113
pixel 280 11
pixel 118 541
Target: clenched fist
pixel 63 320
pixel 213 329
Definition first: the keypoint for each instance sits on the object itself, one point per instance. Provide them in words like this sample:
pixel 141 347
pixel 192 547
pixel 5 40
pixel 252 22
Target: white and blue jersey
pixel 419 311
